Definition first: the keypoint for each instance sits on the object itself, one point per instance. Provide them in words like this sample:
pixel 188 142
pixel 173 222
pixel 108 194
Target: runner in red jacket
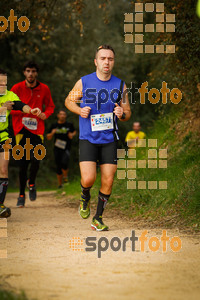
pixel 35 94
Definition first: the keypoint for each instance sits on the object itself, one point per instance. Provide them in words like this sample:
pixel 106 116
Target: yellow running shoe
pixel 5 212
pixel 84 208
pixel 98 225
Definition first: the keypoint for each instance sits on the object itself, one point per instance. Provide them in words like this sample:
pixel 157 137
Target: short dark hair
pixel 107 47
pixel 31 65
pixel 2 72
pixel 64 110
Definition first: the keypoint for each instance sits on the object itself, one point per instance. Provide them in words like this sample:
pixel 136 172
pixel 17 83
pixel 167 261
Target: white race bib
pixel 101 121
pixel 60 144
pixel 30 123
pixel 3 114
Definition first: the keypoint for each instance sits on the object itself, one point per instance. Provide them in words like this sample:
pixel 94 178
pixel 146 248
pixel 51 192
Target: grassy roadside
pixel 177 205
pixel 8 295
pixel 180 202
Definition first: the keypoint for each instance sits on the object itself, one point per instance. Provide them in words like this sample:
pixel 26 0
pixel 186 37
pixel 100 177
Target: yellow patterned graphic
pixel 134 27
pixel 76 244
pixel 128 164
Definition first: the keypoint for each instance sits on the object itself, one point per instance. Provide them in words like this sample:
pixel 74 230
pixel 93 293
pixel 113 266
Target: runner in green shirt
pixel 8 101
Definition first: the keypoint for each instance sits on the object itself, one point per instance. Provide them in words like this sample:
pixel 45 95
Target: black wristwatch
pixel 123 116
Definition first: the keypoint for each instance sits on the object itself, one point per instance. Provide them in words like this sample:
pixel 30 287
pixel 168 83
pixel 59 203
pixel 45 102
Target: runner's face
pixel 30 75
pixel 136 127
pixel 3 84
pixel 62 116
pixel 104 61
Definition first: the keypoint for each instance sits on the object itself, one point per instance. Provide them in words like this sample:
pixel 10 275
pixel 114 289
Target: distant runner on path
pixel 135 134
pixel 8 101
pixel 34 93
pixel 63 133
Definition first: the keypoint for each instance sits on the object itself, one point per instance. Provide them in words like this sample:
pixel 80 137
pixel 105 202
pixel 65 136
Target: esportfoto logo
pixel 116 244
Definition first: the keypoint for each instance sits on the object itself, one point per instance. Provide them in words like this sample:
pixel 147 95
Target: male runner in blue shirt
pixel 101 105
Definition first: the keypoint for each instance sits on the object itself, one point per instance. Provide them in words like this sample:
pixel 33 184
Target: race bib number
pixel 102 122
pixel 3 114
pixel 60 144
pixel 30 123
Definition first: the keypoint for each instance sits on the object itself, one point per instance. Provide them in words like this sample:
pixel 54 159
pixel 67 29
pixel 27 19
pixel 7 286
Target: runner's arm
pixel 8 105
pixel 51 134
pixel 73 98
pixel 34 111
pixel 123 110
pixel 48 103
pixel 71 134
pixel 15 90
pixel 18 105
pixel 14 105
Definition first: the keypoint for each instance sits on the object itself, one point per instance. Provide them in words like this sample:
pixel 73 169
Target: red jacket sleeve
pixel 48 102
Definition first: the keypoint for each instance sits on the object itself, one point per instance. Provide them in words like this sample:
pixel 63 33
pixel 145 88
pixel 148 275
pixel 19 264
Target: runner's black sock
pixel 102 201
pixel 85 193
pixel 3 189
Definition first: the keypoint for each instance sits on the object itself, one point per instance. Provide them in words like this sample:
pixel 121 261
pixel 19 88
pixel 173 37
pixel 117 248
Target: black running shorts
pixel 102 153
pixel 61 159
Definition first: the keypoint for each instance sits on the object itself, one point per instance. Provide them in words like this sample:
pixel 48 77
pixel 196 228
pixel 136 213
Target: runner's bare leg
pixel 107 177
pixel 88 173
pixel 3 166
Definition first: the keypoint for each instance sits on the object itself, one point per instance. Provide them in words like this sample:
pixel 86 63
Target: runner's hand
pixel 85 111
pixel 8 105
pixel 35 111
pixel 70 135
pixel 53 131
pixel 118 111
pixel 42 116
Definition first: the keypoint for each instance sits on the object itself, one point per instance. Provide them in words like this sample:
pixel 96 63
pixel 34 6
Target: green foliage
pixel 7 295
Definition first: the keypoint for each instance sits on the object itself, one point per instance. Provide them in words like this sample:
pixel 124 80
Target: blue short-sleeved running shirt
pixel 101 125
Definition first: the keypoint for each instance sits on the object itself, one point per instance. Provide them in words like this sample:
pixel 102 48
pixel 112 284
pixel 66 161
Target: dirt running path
pixel 41 262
